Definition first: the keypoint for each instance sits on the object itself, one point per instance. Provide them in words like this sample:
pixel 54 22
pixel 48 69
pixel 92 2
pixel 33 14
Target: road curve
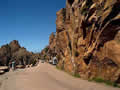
pixel 47 77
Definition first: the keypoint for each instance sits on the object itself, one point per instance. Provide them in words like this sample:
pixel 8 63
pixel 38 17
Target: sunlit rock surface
pixel 87 39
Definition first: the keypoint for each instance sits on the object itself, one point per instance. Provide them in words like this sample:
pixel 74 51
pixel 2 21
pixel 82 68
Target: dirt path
pixel 47 77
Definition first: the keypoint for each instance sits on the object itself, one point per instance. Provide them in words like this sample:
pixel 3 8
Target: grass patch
pixel 107 82
pixel 77 75
pixel 98 80
pixel 58 68
pixel 74 75
pixel 118 41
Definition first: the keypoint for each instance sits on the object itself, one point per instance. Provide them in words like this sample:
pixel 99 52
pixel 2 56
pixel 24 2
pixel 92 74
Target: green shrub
pixel 46 49
pixel 58 68
pixel 107 82
pixel 99 80
pixel 34 62
pixel 77 75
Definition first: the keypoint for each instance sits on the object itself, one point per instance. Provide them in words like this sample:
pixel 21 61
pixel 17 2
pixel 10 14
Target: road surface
pixel 47 77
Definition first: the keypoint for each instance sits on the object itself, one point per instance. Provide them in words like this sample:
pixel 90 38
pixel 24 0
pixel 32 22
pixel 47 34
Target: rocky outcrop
pixel 14 45
pixel 87 38
pixel 14 51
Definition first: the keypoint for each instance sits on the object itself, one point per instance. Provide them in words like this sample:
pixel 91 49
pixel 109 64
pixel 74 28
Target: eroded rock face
pixel 87 38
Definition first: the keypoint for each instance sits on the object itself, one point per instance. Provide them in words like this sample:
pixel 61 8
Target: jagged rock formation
pixel 49 51
pixel 14 45
pixel 14 51
pixel 44 54
pixel 87 39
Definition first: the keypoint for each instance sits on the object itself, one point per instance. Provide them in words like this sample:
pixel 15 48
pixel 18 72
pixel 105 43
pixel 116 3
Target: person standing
pixel 13 65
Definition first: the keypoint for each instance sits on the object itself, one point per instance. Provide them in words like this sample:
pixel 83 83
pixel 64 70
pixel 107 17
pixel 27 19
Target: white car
pixel 50 62
pixel 54 61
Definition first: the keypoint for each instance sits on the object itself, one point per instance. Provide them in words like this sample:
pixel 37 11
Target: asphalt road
pixel 47 77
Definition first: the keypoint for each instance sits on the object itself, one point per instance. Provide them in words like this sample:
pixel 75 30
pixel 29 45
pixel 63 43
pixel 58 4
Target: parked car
pixel 54 61
pixel 4 69
pixel 42 61
pixel 50 62
pixel 20 66
pixel 2 72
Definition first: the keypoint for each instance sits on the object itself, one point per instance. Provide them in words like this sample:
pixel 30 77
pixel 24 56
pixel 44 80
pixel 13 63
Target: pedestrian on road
pixel 13 65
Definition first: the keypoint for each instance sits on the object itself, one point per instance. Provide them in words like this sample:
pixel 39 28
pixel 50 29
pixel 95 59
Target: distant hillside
pixel 14 51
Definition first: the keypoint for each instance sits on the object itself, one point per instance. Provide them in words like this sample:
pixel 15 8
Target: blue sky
pixel 28 21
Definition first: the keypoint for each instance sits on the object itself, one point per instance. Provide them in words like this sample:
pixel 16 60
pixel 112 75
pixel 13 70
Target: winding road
pixel 47 77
